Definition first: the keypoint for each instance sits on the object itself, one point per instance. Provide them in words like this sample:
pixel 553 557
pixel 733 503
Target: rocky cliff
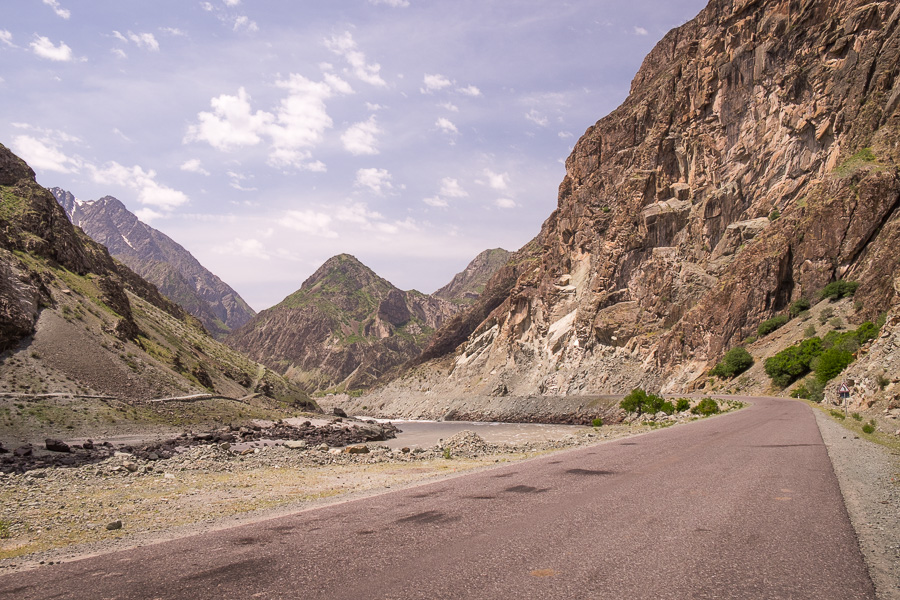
pixel 467 285
pixel 343 329
pixel 160 260
pixel 754 161
pixel 75 323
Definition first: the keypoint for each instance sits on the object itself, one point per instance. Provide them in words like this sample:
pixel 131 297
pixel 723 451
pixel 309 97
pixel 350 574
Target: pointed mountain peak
pixel 345 272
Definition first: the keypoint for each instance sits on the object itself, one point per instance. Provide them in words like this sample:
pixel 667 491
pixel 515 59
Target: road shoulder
pixel 869 476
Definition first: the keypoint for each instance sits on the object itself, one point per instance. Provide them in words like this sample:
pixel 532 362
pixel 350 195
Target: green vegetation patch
pixel 770 325
pixel 736 361
pixel 863 159
pixel 638 401
pixel 839 289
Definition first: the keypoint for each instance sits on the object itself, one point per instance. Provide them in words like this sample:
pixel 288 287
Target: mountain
pixel 82 337
pixel 754 162
pixel 160 260
pixel 343 329
pixel 466 286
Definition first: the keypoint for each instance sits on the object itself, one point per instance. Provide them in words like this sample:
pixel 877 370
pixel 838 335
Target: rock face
pixel 344 328
pixel 754 162
pixel 74 322
pixel 160 260
pixel 468 285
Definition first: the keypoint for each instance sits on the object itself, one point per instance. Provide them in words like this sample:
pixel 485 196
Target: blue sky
pixel 266 135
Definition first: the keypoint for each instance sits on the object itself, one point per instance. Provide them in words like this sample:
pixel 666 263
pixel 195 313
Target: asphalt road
pixel 744 505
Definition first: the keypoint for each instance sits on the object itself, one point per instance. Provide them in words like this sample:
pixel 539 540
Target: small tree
pixel 639 401
pixel 798 307
pixel 839 289
pixel 770 325
pixel 736 361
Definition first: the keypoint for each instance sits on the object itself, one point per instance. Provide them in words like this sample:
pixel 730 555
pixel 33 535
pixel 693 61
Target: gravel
pixel 869 476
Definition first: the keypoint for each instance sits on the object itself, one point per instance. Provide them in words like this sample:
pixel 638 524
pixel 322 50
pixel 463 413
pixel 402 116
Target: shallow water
pixel 424 434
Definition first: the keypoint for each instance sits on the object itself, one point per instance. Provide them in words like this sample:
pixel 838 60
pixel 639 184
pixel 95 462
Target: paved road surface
pixel 739 506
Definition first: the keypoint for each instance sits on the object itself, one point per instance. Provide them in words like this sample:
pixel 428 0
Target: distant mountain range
pixel 160 260
pixel 346 327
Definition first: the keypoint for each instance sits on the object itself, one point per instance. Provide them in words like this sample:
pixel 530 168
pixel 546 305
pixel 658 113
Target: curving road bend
pixel 744 505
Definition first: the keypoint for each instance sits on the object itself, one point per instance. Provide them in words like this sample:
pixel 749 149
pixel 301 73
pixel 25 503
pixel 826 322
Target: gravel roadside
pixel 869 476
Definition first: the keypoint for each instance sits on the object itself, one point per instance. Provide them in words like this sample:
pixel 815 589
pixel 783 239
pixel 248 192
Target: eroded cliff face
pixel 754 161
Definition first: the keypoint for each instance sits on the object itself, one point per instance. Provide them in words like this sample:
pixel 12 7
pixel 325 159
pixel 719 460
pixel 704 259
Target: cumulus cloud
pixel 173 31
pixel 44 48
pixel 231 124
pixel 565 135
pixel 377 180
pixel 243 23
pixel 149 191
pixel 245 248
pixel 44 154
pixel 207 6
pixel 394 3
pixel 446 125
pixel 344 46
pixel 59 10
pixel 142 40
pixel 537 118
pixel 434 83
pixel 232 2
pixel 194 166
pixel 6 38
pixel 435 201
pixel 310 222
pixel 505 203
pixel 450 187
pixel 119 52
pixel 469 90
pixel 640 31
pixel 497 181
pixel 301 120
pixel 237 178
pixel 449 106
pixel 360 137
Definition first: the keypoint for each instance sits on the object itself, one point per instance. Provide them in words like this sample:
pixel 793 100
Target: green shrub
pixel 773 216
pixel 804 315
pixel 867 331
pixel 868 428
pixel 857 416
pixel 639 401
pixel 736 361
pixel 598 422
pixel 770 325
pixel 838 414
pixel 839 289
pixel 800 392
pixel 792 363
pixel 682 405
pixel 750 340
pixel 5 533
pixel 810 331
pixel 826 314
pixel 831 362
pixel 816 389
pixel 837 323
pixel 798 307
pixel 706 407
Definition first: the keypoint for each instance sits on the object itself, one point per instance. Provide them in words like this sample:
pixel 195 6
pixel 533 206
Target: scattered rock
pixel 56 445
pixel 339 412
pixel 114 525
pixel 356 449
pixel 295 444
pixel 130 466
pixel 224 446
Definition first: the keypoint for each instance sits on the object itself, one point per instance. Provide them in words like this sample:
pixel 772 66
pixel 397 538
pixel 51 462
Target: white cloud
pixel 565 135
pixel 360 137
pixel 144 40
pixel 449 106
pixel 450 187
pixel 434 83
pixel 148 215
pixel 373 107
pixel 119 36
pixel 435 201
pixel 119 133
pixel 249 248
pixel 343 45
pixel 446 125
pixel 232 2
pixel 243 23
pixel 237 178
pixel 232 123
pixel 44 48
pixel 338 84
pixel 119 52
pixel 497 181
pixel 537 118
pixel 206 6
pixel 377 180
pixel 194 166
pixel 59 10
pixel 44 154
pixel 358 214
pixel 469 90
pixel 150 192
pixel 173 31
pixel 309 222
pixel 6 38
pixel 394 3
pixel 505 203
pixel 640 31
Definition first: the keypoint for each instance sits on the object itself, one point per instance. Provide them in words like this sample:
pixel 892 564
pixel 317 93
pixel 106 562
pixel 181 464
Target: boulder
pixel 56 445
